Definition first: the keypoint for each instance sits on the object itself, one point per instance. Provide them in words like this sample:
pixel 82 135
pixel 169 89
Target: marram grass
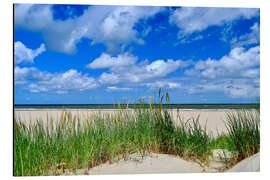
pixel 70 143
pixel 244 133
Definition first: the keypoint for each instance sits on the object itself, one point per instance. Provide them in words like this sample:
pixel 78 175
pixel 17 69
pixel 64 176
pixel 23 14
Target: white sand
pixel 251 164
pixel 163 163
pixel 153 163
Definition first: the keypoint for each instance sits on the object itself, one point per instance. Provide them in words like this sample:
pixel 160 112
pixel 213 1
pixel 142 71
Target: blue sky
pixel 79 54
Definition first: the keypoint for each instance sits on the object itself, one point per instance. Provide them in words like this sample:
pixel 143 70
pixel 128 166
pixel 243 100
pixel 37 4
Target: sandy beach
pixel 212 120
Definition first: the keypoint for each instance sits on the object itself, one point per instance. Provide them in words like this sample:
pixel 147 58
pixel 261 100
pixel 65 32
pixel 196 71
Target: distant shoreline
pixel 132 106
pixel 103 109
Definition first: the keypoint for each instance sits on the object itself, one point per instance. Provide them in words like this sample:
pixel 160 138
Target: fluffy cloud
pixel 25 74
pixel 98 23
pixel 24 54
pixel 118 26
pixel 106 61
pixel 240 63
pixel 195 19
pixel 237 88
pixel 161 68
pixel 70 80
pixel 126 69
pixel 253 37
pixel 237 74
pixel 109 78
pixel 37 81
pixel 33 17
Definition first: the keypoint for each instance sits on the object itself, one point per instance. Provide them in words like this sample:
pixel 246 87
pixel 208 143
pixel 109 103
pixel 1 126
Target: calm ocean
pixel 111 106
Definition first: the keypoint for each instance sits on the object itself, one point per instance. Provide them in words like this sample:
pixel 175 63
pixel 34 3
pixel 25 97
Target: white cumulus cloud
pixel 107 61
pixel 37 81
pixel 25 74
pixel 24 54
pixel 195 19
pixel 240 63
pixel 33 17
pixel 127 69
pixel 71 80
pixel 111 25
pixel 252 37
pixel 237 74
pixel 237 88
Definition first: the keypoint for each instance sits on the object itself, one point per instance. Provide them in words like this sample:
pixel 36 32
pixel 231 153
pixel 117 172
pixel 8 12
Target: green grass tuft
pixel 244 132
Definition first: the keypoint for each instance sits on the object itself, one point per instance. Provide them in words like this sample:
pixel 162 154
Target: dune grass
pixel 242 137
pixel 50 148
pixel 244 133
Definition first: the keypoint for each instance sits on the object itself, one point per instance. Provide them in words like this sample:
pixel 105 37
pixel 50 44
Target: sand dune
pixel 150 164
pixel 164 164
pixel 213 120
